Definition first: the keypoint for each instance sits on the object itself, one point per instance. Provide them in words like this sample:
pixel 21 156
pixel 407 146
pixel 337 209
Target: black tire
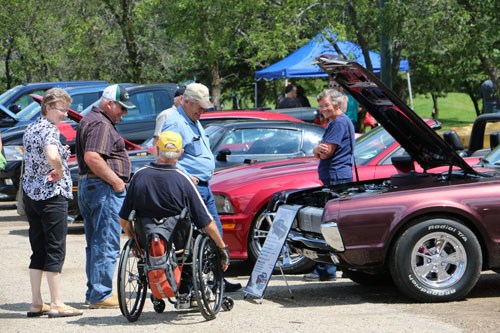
pixel 297 263
pixel 366 279
pixel 208 278
pixel 436 260
pixel 158 304
pixel 132 282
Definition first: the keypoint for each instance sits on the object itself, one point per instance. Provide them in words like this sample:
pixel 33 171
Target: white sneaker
pixel 183 302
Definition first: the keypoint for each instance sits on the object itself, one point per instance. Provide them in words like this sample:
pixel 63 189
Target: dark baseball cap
pixel 180 91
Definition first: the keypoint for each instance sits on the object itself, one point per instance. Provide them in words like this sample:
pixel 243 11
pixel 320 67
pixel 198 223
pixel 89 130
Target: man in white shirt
pixel 162 116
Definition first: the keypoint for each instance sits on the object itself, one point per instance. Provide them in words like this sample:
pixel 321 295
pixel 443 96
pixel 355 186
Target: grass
pixel 455 110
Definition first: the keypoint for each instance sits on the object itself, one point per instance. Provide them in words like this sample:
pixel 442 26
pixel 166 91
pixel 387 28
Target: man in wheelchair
pixel 159 193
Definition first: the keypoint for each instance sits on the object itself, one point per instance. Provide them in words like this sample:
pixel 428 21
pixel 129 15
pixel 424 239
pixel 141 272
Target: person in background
pixel 335 154
pixel 104 168
pixel 3 161
pixel 161 190
pixel 290 100
pixel 352 109
pixel 162 116
pixel 47 188
pixel 302 98
pixel 198 160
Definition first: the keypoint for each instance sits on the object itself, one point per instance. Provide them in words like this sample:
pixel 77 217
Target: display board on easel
pixel 263 269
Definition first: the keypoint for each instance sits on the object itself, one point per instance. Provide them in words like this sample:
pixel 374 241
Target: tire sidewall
pixel 404 276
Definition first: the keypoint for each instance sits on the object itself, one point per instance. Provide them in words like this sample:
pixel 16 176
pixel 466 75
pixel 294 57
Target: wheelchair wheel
pixel 132 282
pixel 207 277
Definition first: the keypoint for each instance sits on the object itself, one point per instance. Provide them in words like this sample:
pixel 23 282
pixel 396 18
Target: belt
pixel 202 183
pixel 87 176
pixel 92 176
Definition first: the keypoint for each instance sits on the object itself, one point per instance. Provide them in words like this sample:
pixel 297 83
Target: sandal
pixel 63 311
pixel 41 310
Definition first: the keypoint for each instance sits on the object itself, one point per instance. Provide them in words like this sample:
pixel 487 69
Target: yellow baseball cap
pixel 170 142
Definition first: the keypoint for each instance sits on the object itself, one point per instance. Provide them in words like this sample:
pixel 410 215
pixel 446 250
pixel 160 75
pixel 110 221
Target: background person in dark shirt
pixel 161 190
pixel 302 98
pixel 290 100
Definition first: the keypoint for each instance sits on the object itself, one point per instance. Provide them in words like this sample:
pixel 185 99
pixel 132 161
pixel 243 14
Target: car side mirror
pixel 15 108
pixel 222 155
pixel 403 163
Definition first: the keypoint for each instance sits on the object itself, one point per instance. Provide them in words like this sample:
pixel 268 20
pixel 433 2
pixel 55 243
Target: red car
pixel 208 117
pixel 430 233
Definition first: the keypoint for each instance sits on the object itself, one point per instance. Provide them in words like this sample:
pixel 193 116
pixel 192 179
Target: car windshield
pixel 493 157
pixel 214 134
pixel 8 94
pixel 88 108
pixel 371 144
pixel 29 112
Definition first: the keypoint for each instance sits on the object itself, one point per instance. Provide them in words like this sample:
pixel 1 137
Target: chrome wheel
pixel 291 262
pixel 439 260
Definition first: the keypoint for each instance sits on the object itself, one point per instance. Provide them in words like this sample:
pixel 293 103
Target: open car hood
pixel 424 145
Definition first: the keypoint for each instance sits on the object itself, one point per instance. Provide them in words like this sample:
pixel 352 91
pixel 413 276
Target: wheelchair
pixel 200 262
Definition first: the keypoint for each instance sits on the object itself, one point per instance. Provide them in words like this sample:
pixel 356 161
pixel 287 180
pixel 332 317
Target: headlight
pixel 223 204
pixel 13 153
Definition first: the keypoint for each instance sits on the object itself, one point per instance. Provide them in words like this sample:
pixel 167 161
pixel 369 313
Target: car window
pixel 147 105
pixel 400 151
pixel 214 134
pixel 29 111
pixel 258 141
pixel 311 140
pixel 8 94
pixel 81 101
pixel 371 144
pixel 26 100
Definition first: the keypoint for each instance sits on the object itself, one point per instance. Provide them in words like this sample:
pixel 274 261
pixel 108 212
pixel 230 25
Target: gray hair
pixel 53 96
pixel 170 155
pixel 336 97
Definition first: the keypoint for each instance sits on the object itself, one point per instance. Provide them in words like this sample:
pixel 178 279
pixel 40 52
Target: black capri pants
pixel 48 220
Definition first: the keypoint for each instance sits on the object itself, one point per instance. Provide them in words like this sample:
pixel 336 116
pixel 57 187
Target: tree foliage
pixel 452 45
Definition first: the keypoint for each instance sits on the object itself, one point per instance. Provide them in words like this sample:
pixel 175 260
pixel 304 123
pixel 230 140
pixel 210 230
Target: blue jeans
pixel 326 270
pixel 209 199
pixel 100 205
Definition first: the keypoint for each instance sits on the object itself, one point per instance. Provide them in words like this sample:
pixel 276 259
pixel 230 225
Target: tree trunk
pixel 476 104
pixel 492 70
pixel 435 109
pixel 351 11
pixel 216 85
pixel 8 74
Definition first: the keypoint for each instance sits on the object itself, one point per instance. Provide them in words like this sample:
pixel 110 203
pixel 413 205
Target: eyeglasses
pixel 61 110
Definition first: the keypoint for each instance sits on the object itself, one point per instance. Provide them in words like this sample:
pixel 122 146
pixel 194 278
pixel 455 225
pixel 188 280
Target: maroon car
pixel 431 233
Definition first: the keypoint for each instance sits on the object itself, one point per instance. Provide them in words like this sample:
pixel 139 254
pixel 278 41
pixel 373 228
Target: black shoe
pixel 231 287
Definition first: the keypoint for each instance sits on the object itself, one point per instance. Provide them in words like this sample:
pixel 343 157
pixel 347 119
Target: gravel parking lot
pixel 316 307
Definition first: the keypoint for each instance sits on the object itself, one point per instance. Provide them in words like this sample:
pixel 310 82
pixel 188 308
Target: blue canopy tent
pixel 300 64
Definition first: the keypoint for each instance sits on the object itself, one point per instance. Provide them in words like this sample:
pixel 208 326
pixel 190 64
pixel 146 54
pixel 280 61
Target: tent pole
pixel 409 89
pixel 255 106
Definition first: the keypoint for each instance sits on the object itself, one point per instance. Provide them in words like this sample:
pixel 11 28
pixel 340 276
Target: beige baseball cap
pixel 199 93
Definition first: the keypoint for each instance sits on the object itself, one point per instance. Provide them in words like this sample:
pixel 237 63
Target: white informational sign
pixel 263 269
